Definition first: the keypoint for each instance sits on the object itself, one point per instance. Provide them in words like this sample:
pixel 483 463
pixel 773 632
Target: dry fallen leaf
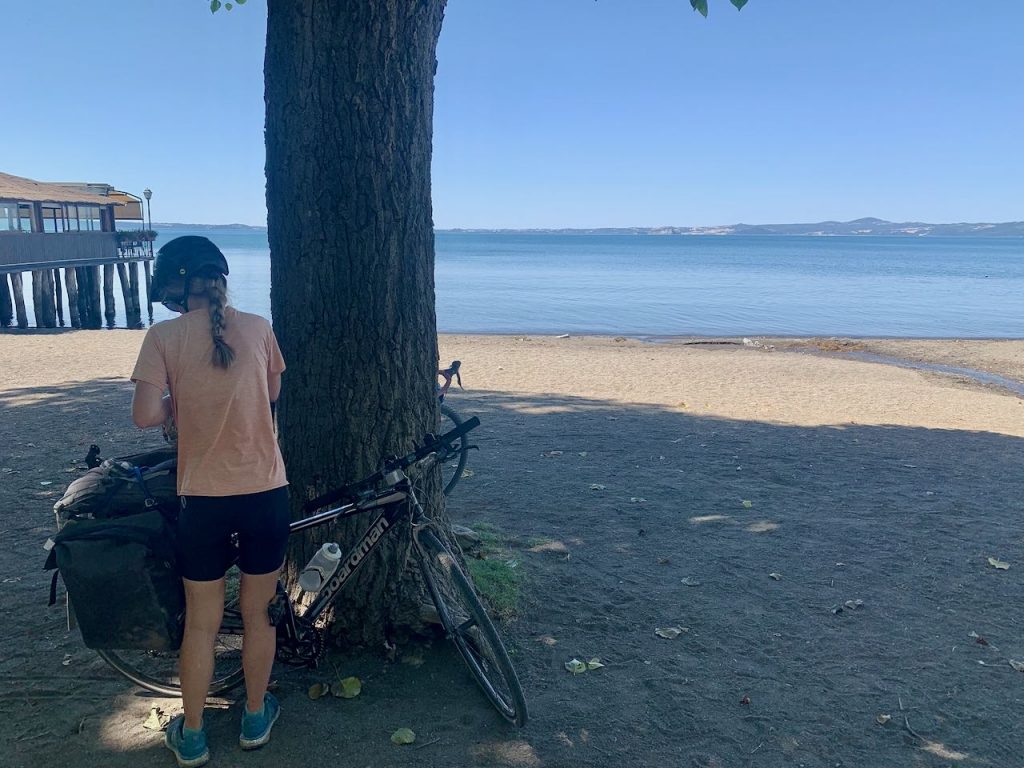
pixel 549 454
pixel 1017 665
pixel 978 638
pixel 748 503
pixel 157 720
pixel 637 499
pixel 596 487
pixel 775 576
pixel 403 736
pixel 745 701
pixel 883 719
pixel 1002 566
pixel 689 582
pixel 318 690
pixel 594 663
pixel 670 633
pixel 467 472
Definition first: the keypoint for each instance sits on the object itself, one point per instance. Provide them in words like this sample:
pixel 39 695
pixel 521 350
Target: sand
pixel 637 486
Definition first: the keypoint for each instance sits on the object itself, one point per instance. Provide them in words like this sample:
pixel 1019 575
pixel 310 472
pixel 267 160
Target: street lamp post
pixel 148 193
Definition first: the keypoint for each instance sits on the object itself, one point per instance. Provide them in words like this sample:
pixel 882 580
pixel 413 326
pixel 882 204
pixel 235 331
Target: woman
pixel 223 370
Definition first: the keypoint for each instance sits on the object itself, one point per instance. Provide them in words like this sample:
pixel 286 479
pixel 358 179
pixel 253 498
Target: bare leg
pixel 260 640
pixel 204 606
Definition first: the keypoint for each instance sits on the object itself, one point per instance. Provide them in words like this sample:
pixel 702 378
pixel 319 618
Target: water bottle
pixel 320 568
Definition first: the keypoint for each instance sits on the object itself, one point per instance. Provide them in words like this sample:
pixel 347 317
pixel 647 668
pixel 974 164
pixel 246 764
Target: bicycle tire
pixel 467 624
pixel 458 462
pixel 157 671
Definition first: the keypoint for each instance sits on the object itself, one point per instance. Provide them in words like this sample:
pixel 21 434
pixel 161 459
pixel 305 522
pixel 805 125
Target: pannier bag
pixel 115 551
pixel 122 486
pixel 123 581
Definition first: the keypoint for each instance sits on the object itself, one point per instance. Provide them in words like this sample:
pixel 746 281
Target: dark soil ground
pixel 639 523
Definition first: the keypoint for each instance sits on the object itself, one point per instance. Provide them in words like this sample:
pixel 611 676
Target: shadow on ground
pixel 622 519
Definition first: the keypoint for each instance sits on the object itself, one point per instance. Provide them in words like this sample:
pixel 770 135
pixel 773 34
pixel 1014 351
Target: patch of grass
pixel 491 538
pixel 498 579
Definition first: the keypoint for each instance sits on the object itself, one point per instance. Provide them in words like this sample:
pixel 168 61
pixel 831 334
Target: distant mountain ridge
pixel 866 227
pixel 171 226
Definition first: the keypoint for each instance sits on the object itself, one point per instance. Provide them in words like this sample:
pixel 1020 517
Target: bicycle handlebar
pixel 431 445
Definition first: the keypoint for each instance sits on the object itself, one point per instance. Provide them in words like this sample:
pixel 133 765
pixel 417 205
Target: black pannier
pixel 116 552
pixel 122 578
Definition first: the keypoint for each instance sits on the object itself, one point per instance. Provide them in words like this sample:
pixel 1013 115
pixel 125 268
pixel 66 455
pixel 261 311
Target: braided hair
pixel 215 289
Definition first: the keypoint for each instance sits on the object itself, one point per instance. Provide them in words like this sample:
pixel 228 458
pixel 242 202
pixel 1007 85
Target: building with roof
pixel 46 227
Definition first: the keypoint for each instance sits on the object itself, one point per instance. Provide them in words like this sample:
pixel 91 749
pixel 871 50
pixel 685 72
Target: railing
pixel 23 251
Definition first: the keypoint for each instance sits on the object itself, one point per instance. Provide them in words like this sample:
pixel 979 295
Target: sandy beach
pixel 637 485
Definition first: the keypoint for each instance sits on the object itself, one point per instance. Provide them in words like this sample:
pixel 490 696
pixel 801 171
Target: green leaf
pixel 403 736
pixel 701 6
pixel 348 688
pixel 228 6
pixel 214 6
pixel 242 2
pixel 738 3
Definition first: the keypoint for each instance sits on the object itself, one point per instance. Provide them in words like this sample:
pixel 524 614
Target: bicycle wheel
pixel 467 624
pixel 157 671
pixel 451 470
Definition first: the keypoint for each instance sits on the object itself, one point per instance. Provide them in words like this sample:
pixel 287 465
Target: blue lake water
pixel 701 285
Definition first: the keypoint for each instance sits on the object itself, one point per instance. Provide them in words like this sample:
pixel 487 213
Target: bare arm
pixel 149 406
pixel 274 386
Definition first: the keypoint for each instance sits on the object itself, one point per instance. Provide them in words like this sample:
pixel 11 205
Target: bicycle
pixel 451 473
pixel 300 642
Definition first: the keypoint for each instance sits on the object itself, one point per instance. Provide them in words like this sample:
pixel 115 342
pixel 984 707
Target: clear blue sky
pixel 554 113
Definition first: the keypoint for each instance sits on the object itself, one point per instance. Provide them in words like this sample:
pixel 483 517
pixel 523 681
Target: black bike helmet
pixel 184 258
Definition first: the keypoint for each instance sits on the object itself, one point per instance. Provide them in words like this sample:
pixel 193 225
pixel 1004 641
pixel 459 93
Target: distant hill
pixel 858 227
pixel 868 227
pixel 171 227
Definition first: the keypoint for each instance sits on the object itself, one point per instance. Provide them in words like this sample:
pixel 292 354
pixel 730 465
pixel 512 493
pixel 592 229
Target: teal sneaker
pixel 189 747
pixel 256 727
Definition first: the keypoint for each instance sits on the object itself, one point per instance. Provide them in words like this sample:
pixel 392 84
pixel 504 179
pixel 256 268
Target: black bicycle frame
pixel 392 502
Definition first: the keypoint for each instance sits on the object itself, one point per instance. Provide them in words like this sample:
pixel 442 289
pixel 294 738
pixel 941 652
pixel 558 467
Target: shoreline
pixel 995 363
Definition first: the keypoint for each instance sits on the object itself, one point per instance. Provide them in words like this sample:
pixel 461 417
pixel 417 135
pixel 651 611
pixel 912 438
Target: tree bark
pixel 349 96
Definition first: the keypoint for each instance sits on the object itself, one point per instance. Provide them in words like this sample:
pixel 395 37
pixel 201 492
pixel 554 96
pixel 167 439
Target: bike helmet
pixel 182 259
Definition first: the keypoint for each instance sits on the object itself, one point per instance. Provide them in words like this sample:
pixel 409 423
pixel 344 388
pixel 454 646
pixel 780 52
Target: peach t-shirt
pixel 226 440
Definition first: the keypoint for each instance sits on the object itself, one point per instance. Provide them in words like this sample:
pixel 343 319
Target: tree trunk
pixel 349 95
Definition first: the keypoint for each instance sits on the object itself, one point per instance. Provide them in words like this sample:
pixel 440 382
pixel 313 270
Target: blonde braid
pixel 223 354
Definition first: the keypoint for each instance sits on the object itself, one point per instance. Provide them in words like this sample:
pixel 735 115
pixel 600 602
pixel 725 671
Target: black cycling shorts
pixel 207 523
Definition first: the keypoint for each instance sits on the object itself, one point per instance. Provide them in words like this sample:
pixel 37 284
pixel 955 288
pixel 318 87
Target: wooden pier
pixel 46 228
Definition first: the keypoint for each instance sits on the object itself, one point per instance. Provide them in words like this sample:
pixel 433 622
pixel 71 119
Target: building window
pixel 8 217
